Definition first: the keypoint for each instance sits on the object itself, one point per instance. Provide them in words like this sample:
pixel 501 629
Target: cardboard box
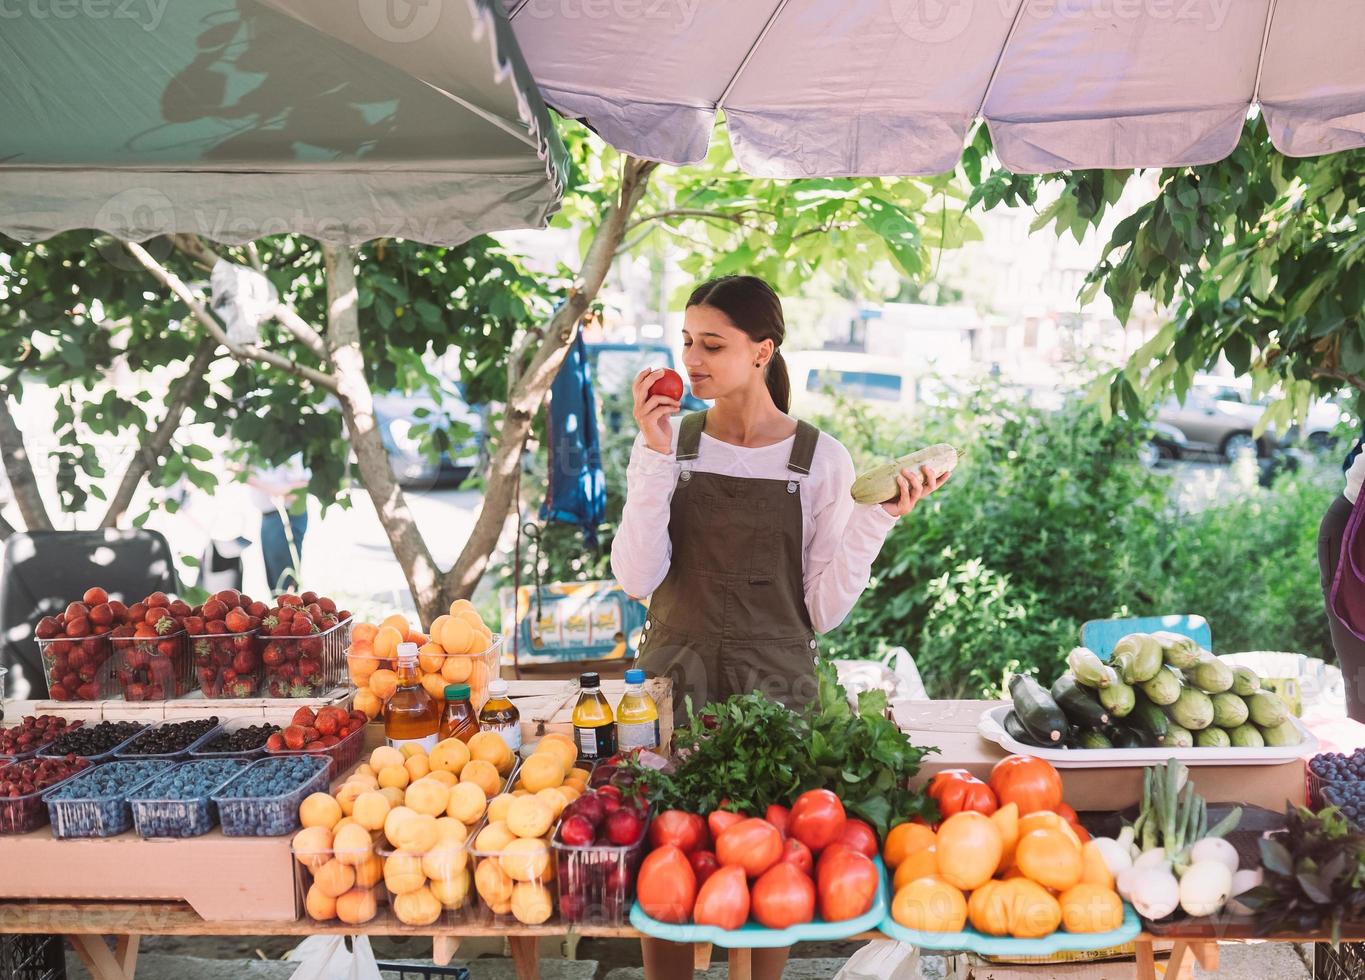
pixel 951 725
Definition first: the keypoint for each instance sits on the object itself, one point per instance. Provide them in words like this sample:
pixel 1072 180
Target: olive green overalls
pixel 730 616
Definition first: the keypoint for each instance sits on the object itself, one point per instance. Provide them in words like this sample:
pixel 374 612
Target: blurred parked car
pixel 1166 442
pixel 881 383
pixel 614 367
pixel 399 414
pixel 1220 415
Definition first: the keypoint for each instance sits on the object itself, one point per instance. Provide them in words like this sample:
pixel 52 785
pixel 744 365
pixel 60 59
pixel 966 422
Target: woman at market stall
pixel 739 524
pixel 1346 594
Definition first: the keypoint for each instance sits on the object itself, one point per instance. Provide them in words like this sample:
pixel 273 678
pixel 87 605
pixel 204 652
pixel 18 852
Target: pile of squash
pixel 1009 858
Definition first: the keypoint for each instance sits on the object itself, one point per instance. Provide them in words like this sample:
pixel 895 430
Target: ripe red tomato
pixel 681 829
pixel 1031 783
pixel 859 835
pixel 724 900
pixel 778 816
pixel 667 887
pixel 704 865
pixel 783 896
pixel 718 820
pixel 794 852
pixel 956 790
pixel 846 882
pixel 817 819
pixel 752 844
pixel 670 385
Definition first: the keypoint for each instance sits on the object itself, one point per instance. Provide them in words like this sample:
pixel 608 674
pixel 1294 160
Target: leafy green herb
pixel 749 752
pixel 1314 873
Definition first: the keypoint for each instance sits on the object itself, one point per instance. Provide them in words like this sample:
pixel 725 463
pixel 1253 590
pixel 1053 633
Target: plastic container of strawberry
pixel 151 668
pixel 220 745
pixel 263 799
pixel 596 882
pixel 78 668
pixel 25 812
pixel 227 665
pixel 343 754
pixel 178 802
pixel 305 666
pixel 95 803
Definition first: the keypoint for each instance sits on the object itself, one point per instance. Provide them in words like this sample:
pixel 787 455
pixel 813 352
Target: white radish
pixel 1115 854
pixel 1215 849
pixel 1155 893
pixel 1205 888
pixel 1155 858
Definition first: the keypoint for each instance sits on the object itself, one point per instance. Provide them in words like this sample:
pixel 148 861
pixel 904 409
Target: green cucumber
pixel 1118 699
pixel 1212 738
pixel 1151 719
pixel 1178 737
pixel 1079 703
pixel 1126 737
pixel 1015 729
pixel 1038 713
pixel 1164 688
pixel 1246 736
pixel 1093 738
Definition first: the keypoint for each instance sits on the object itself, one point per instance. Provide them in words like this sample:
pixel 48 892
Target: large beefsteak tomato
pixel 783 896
pixel 679 828
pixel 724 900
pixel 1030 782
pixel 956 790
pixel 666 886
pixel 817 819
pixel 753 844
pixel 846 883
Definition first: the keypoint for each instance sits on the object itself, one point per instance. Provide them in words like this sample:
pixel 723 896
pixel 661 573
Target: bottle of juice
pixel 411 716
pixel 593 731
pixel 459 720
pixel 637 716
pixel 500 715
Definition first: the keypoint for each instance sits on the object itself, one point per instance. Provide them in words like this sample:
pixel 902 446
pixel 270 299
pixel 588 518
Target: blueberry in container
pixel 263 799
pixel 242 738
pixel 95 803
pixel 177 803
pixel 98 743
pixel 171 740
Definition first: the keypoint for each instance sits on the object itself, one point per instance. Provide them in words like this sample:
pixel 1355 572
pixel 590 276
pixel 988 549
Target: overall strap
pixel 689 435
pixel 803 449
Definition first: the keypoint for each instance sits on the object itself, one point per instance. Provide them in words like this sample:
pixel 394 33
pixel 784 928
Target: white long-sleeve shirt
pixel 840 539
pixel 1355 476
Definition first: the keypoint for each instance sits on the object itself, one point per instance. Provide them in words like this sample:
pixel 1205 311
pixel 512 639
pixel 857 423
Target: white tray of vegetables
pixel 1158 697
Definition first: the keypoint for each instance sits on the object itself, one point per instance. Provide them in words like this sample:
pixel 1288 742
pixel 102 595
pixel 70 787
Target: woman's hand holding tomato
pixel 653 407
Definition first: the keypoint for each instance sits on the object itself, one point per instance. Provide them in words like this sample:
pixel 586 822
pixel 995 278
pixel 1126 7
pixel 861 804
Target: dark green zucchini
pixel 1016 730
pixel 1079 703
pixel 1044 720
pixel 1127 737
pixel 1093 738
pixel 1149 718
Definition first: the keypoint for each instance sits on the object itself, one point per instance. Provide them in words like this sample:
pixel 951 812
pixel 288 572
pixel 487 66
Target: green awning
pixel 345 120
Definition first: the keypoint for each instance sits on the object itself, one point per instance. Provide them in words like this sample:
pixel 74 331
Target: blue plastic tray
pixel 978 942
pixel 751 935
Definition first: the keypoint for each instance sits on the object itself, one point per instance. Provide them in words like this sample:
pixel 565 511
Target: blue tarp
pixel 577 490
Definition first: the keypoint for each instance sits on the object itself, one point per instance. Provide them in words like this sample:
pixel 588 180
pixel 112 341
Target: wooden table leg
pixel 741 964
pixel 443 949
pixel 94 953
pixel 1207 955
pixel 701 957
pixel 1176 967
pixel 125 951
pixel 525 956
pixel 1146 961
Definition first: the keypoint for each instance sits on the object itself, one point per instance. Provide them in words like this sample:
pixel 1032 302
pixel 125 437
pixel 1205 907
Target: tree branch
pixel 737 217
pixel 156 441
pixel 19 469
pixel 357 406
pixel 525 399
pixel 242 352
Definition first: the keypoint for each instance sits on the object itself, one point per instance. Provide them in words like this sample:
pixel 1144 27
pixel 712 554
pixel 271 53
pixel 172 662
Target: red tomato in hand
pixel 956 790
pixel 846 882
pixel 817 819
pixel 794 852
pixel 718 820
pixel 704 865
pixel 681 829
pixel 724 900
pixel 859 835
pixel 666 887
pixel 1031 783
pixel 783 896
pixel 670 385
pixel 752 844
pixel 778 816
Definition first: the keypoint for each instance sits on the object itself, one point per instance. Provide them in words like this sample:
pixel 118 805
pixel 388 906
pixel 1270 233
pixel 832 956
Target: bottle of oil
pixel 459 720
pixel 500 715
pixel 411 715
pixel 637 716
pixel 593 731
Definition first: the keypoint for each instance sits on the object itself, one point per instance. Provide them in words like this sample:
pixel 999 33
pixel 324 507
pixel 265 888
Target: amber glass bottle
pixel 459 720
pixel 411 715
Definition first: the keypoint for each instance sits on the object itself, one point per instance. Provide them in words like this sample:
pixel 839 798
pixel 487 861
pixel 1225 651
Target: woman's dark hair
pixel 752 306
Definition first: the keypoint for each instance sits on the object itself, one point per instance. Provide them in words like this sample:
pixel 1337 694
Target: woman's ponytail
pixel 779 382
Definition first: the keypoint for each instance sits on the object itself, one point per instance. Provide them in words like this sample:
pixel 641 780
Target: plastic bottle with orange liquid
pixel 411 715
pixel 459 720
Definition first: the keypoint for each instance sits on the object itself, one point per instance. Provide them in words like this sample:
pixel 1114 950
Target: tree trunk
pixel 526 397
pixel 357 405
pixel 155 442
pixel 19 469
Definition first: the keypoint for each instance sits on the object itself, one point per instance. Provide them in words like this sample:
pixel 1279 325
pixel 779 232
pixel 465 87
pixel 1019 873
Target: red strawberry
pixel 294 737
pixel 88 692
pixel 229 597
pixel 309 597
pixel 102 616
pixel 136 613
pixel 237 621
pixel 57 692
pixel 95 596
pixel 311 735
pixel 179 609
pixel 120 610
pixel 78 626
pixel 327 723
pixel 275 742
pixel 328 606
pixel 213 609
pixel 158 599
pixel 289 599
pixel 304 717
pixel 259 609
pixel 76 609
pixel 215 627
pixel 194 625
pixel 48 627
